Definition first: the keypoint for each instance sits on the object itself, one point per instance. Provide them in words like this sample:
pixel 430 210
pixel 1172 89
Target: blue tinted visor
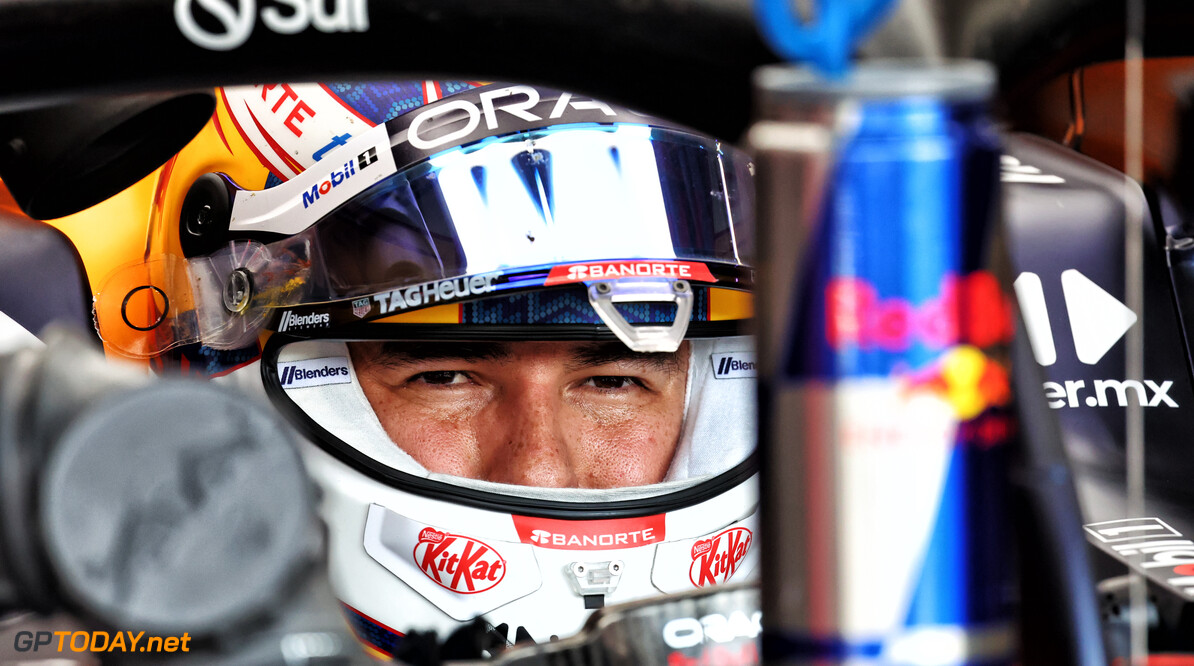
pixel 479 215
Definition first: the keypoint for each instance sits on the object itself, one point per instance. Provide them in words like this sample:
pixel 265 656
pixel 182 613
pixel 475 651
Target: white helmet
pixel 400 241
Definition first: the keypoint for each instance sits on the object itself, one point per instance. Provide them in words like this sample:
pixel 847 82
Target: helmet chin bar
pixel 593 580
pixel 604 296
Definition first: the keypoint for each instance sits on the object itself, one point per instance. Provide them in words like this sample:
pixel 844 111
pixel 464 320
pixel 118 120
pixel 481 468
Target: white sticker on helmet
pixel 734 365
pixel 303 200
pixel 314 372
pixel 712 559
pixel 292 126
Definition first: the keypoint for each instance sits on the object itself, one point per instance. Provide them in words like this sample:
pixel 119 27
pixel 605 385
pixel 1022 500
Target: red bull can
pixel 884 387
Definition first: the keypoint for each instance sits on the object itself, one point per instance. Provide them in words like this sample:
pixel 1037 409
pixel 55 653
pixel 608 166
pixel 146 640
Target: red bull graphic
pixel 968 379
pixel 970 309
pixel 715 560
pixel 459 563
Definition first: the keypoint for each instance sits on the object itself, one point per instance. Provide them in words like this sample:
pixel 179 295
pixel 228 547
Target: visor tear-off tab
pixel 604 295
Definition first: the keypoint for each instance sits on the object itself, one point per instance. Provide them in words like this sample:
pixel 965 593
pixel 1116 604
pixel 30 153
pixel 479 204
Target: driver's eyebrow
pixel 601 353
pixel 410 353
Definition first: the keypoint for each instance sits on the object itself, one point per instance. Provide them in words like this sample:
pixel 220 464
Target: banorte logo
pixel 716 559
pixel 612 270
pixel 615 533
pixel 459 563
pixel 971 309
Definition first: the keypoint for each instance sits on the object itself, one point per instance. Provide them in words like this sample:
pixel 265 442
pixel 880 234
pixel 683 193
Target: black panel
pixel 41 276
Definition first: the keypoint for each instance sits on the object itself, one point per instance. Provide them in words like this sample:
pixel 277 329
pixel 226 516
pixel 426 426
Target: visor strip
pixel 372 633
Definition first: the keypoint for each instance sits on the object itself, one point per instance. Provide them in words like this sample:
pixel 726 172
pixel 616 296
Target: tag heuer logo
pixel 361 307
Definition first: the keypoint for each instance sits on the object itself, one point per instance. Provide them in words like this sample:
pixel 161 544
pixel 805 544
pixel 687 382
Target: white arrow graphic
pixel 1097 319
pixel 1036 317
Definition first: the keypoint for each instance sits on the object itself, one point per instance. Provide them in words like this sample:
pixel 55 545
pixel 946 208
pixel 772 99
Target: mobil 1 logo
pixel 1097 321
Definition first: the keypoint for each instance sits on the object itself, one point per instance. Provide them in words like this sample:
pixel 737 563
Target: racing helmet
pixel 314 231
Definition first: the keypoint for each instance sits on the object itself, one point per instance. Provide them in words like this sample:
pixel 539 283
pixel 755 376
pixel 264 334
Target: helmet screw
pixel 603 287
pixel 238 290
pixel 615 567
pixel 578 569
pixel 200 220
pixel 680 286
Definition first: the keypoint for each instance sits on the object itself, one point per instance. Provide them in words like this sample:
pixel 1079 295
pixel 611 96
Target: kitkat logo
pixel 716 559
pixel 590 534
pixel 459 563
pixel 972 309
pixel 612 270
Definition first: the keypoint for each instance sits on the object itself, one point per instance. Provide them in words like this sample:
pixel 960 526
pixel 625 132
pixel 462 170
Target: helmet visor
pixel 509 212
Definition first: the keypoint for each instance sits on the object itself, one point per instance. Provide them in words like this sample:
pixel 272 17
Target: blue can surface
pixel 885 398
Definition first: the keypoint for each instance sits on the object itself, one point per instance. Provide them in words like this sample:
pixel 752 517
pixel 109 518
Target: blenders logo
pixel 314 372
pixel 458 563
pixel 970 309
pixel 715 560
pixel 236 19
pixel 734 365
pixel 435 292
pixel 612 270
pixel 290 320
pixel 590 534
pixel 335 178
pixel 1152 546
pixel 361 307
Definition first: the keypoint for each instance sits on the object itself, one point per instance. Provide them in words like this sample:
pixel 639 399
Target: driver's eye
pixel 439 377
pixel 610 382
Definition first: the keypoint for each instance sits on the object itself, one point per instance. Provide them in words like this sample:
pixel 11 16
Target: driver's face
pixel 551 414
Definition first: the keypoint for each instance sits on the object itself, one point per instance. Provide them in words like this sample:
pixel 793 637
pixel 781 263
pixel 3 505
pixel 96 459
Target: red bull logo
pixel 715 560
pixel 968 379
pixel 970 309
pixel 459 563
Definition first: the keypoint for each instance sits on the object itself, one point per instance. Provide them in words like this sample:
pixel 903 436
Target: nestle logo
pixel 715 560
pixel 431 535
pixel 459 563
